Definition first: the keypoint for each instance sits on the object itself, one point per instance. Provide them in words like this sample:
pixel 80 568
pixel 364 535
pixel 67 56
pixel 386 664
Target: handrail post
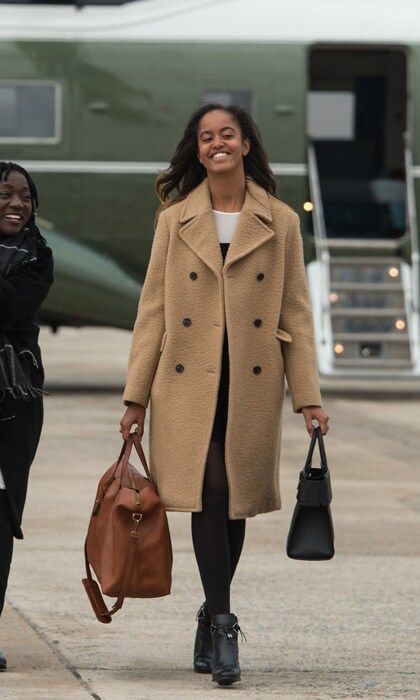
pixel 411 221
pixel 320 238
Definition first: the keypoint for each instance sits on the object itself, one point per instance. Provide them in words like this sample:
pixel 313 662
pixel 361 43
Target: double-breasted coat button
pixel 193 275
pixel 257 322
pixel 179 368
pixel 187 322
pixel 260 276
pixel 257 369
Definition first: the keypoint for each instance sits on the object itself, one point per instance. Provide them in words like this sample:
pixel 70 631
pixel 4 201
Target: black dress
pixel 220 419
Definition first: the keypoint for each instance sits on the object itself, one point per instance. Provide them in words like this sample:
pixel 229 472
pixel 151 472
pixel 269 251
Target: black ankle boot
pixel 3 662
pixel 203 647
pixel 225 665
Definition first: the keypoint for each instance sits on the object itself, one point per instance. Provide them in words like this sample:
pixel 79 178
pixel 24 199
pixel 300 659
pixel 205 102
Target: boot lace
pixel 201 615
pixel 234 627
pixel 238 629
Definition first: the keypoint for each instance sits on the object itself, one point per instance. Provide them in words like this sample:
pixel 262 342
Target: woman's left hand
pixel 311 413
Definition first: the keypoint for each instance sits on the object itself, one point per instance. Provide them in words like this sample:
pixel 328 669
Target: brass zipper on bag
pixel 136 516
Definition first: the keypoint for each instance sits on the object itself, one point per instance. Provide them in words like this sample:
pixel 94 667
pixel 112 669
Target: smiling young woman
pixel 224 315
pixel 26 274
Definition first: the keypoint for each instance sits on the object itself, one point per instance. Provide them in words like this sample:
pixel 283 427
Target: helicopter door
pixel 357 114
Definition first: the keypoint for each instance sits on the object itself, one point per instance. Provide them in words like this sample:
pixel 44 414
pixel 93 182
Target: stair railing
pixel 320 239
pixel 411 222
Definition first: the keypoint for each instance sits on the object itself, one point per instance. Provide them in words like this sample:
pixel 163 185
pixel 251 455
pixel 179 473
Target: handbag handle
pixel 139 449
pixel 133 439
pixel 120 457
pixel 316 437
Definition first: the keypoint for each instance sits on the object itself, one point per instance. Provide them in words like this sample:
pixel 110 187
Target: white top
pixel 226 222
pixel 2 484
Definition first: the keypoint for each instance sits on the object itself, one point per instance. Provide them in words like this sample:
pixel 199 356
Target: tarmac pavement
pixel 338 629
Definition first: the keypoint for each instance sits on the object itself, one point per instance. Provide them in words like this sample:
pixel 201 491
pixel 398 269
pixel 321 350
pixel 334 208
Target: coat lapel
pixel 198 228
pixel 252 229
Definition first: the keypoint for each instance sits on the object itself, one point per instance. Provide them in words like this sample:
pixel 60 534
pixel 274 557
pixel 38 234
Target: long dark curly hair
pixel 185 171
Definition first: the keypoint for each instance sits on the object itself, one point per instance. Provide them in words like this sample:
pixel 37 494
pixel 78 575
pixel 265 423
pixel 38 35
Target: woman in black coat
pixel 26 274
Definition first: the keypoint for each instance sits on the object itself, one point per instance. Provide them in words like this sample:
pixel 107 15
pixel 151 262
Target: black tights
pixel 6 545
pixel 217 540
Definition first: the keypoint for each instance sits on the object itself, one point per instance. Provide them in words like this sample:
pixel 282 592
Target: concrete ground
pixel 337 629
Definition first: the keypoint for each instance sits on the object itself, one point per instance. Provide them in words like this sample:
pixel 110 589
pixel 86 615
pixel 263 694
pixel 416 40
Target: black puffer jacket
pixel 22 292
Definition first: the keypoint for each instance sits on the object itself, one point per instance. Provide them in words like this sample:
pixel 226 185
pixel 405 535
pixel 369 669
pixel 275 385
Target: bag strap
pixel 102 612
pixel 129 564
pixel 122 462
pixel 94 593
pixel 316 437
pixel 135 440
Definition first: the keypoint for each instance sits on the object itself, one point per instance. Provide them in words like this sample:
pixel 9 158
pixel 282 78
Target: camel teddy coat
pixel 189 294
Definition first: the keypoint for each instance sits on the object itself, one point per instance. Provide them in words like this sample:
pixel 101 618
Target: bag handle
pixel 120 457
pixel 133 439
pixel 316 437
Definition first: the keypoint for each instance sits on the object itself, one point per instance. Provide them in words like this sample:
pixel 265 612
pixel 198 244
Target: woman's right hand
pixel 134 415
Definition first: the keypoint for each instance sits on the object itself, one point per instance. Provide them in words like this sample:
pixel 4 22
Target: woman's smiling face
pixel 15 203
pixel 219 143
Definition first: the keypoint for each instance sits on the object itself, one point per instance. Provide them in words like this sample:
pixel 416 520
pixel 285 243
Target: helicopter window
pixel 30 112
pixel 331 115
pixel 242 98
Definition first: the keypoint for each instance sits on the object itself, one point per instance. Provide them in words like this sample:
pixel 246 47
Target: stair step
pixel 365 260
pixel 369 363
pixel 370 348
pixel 365 273
pixel 366 286
pixel 366 324
pixel 360 243
pixel 368 312
pixel 372 337
pixel 367 299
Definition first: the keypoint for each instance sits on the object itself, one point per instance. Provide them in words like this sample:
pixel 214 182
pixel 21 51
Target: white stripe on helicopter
pixel 130 167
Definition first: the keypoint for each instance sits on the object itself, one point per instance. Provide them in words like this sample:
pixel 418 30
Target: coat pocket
pixel 282 335
pixel 163 341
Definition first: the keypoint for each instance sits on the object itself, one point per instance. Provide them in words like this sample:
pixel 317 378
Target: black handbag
pixel 311 533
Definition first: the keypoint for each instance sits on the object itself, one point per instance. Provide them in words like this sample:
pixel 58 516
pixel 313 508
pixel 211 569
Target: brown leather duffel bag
pixel 128 542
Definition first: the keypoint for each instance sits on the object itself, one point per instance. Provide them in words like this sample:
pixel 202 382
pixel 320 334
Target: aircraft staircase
pixel 365 295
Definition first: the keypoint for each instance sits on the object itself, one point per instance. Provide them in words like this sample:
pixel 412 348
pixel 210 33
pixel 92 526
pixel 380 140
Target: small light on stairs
pixel 308 206
pixel 338 349
pixel 333 297
pixel 399 324
pixel 393 272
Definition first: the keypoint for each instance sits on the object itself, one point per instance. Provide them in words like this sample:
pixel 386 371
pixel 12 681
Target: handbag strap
pixel 139 449
pixel 122 462
pixel 120 457
pixel 316 438
pixel 104 613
